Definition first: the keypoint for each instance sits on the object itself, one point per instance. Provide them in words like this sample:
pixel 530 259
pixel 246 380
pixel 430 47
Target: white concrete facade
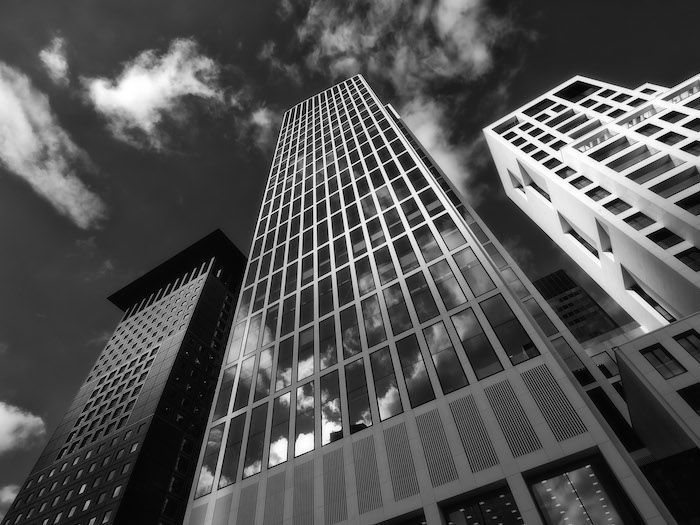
pixel 611 175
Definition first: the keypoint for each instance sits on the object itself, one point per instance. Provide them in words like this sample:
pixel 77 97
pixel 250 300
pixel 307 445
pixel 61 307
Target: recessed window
pixel 690 341
pixel 691 395
pixel 639 221
pixel 673 116
pixel 677 183
pixel 691 258
pixel 671 138
pixel 691 204
pixel 693 148
pixel 580 182
pixel 665 238
pixel 664 363
pixel 577 90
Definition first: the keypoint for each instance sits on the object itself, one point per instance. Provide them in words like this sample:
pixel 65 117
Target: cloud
pixel 8 493
pixel 4 347
pixel 18 428
pixel 153 89
pixel 54 60
pixel 35 147
pixel 277 66
pixel 264 124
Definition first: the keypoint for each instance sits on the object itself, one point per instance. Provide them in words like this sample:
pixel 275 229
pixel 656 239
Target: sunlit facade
pixel 389 362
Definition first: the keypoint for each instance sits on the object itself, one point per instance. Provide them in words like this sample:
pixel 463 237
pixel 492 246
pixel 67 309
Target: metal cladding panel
pixel 472 431
pixel 401 468
pixel 369 493
pixel 554 405
pixel 335 508
pixel 222 510
pixel 512 419
pixel 274 499
pixel 303 511
pixel 247 505
pixel 441 466
pixel 198 515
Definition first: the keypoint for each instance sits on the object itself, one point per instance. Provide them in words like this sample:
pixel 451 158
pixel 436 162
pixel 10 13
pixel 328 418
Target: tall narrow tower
pixel 389 362
pixel 126 450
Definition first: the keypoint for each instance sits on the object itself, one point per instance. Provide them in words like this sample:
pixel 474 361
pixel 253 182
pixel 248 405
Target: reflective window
pixel 447 365
pixel 350 332
pixel 253 334
pixel 374 324
pixel 256 439
pixel 306 306
pixel 447 285
pixel 234 442
pixel 540 317
pixel 244 384
pixel 290 283
pixel 305 360
pixel 474 273
pixel 515 340
pixel 331 413
pixel 359 413
pixel 211 454
pixel 262 383
pixel 412 212
pixel 476 345
pixel 236 342
pixel 690 340
pixel 422 297
pixel 396 305
pixel 385 266
pixel 328 352
pixel 365 280
pixel 225 390
pixel 664 362
pixel 448 231
pixel 404 251
pixel 270 328
pixel 414 373
pixel 304 424
pixel 427 243
pixel 345 291
pixel 325 296
pixel 279 433
pixel 497 507
pixel 340 248
pixel 284 364
pixel 385 385
pixel 376 235
pixel 288 315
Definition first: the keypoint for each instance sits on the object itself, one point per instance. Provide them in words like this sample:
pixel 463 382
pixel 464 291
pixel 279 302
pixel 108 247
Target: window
pixel 617 206
pixel 284 364
pixel 447 285
pixel 691 395
pixel 515 340
pixel 639 221
pixel 288 315
pixel 385 265
pixel 404 251
pixel 211 454
pixel 690 341
pixel 385 385
pixel 256 434
pixel 476 345
pixel 677 183
pixel 350 332
pixel 664 362
pixel 665 238
pixel 473 271
pixel 374 324
pixel 244 384
pixel 359 413
pixel 580 182
pixel 331 415
pixel 222 401
pixel 365 280
pixel 598 193
pixel 304 427
pixel 280 429
pixel 415 375
pixel 484 509
pixel 422 298
pixel 448 231
pixel 427 243
pixel 447 365
pixel 691 258
pixel 396 306
pixel 232 452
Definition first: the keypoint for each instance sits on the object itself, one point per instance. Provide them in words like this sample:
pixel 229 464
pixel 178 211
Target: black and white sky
pixel 128 129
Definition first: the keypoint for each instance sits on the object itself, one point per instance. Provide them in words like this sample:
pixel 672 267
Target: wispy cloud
pixel 18 428
pixel 153 88
pixel 8 493
pixel 264 124
pixel 55 62
pixel 35 147
pixel 268 55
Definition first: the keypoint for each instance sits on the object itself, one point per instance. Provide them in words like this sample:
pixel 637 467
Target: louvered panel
pixel 553 403
pixel 369 494
pixel 511 417
pixel 247 504
pixel 274 499
pixel 441 466
pixel 335 506
pixel 472 431
pixel 303 513
pixel 401 468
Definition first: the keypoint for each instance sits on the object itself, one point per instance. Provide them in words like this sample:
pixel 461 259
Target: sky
pixel 129 129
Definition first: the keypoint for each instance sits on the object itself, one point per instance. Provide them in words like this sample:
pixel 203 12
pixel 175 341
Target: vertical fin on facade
pixel 511 418
pixel 401 467
pixel 441 466
pixel 554 405
pixel 369 493
pixel 472 431
pixel 303 513
pixel 335 507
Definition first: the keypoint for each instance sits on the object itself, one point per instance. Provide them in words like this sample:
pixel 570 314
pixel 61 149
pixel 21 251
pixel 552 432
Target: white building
pixel 611 175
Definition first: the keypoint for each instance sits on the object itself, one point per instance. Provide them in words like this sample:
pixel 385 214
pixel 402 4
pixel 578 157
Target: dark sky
pixel 207 165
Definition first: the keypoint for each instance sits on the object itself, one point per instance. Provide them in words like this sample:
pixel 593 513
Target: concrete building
pixel 611 175
pixel 389 363
pixel 126 450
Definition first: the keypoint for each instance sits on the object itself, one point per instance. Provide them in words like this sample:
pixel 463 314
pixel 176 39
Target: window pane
pixel 374 324
pixel 270 328
pixel 385 386
pixel 345 291
pixel 244 384
pixel 328 353
pixel 262 384
pixel 385 266
pixel 350 332
pixel 476 345
pixel 234 442
pixel 279 434
pixel 284 364
pixel 448 287
pixel 224 397
pixel 306 308
pixel 474 273
pixel 447 365
pixel 359 412
pixel 449 232
pixel 331 413
pixel 542 320
pixel 396 305
pixel 305 360
pixel 422 297
pixel 325 296
pixel 256 438
pixel 304 434
pixel 365 280
pixel 414 373
pixel 690 340
pixel 664 362
pixel 288 315
pixel 211 454
pixel 515 340
pixel 253 334
pixel 404 251
pixel 427 243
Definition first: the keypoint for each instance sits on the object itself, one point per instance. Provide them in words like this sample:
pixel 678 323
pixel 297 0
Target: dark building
pixel 581 314
pixel 126 450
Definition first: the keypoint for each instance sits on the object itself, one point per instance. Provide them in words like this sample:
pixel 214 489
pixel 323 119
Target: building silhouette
pixel 611 175
pixel 126 450
pixel 389 363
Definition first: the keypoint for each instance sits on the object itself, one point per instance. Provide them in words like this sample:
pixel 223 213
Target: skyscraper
pixel 126 450
pixel 389 362
pixel 611 175
pixel 581 314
